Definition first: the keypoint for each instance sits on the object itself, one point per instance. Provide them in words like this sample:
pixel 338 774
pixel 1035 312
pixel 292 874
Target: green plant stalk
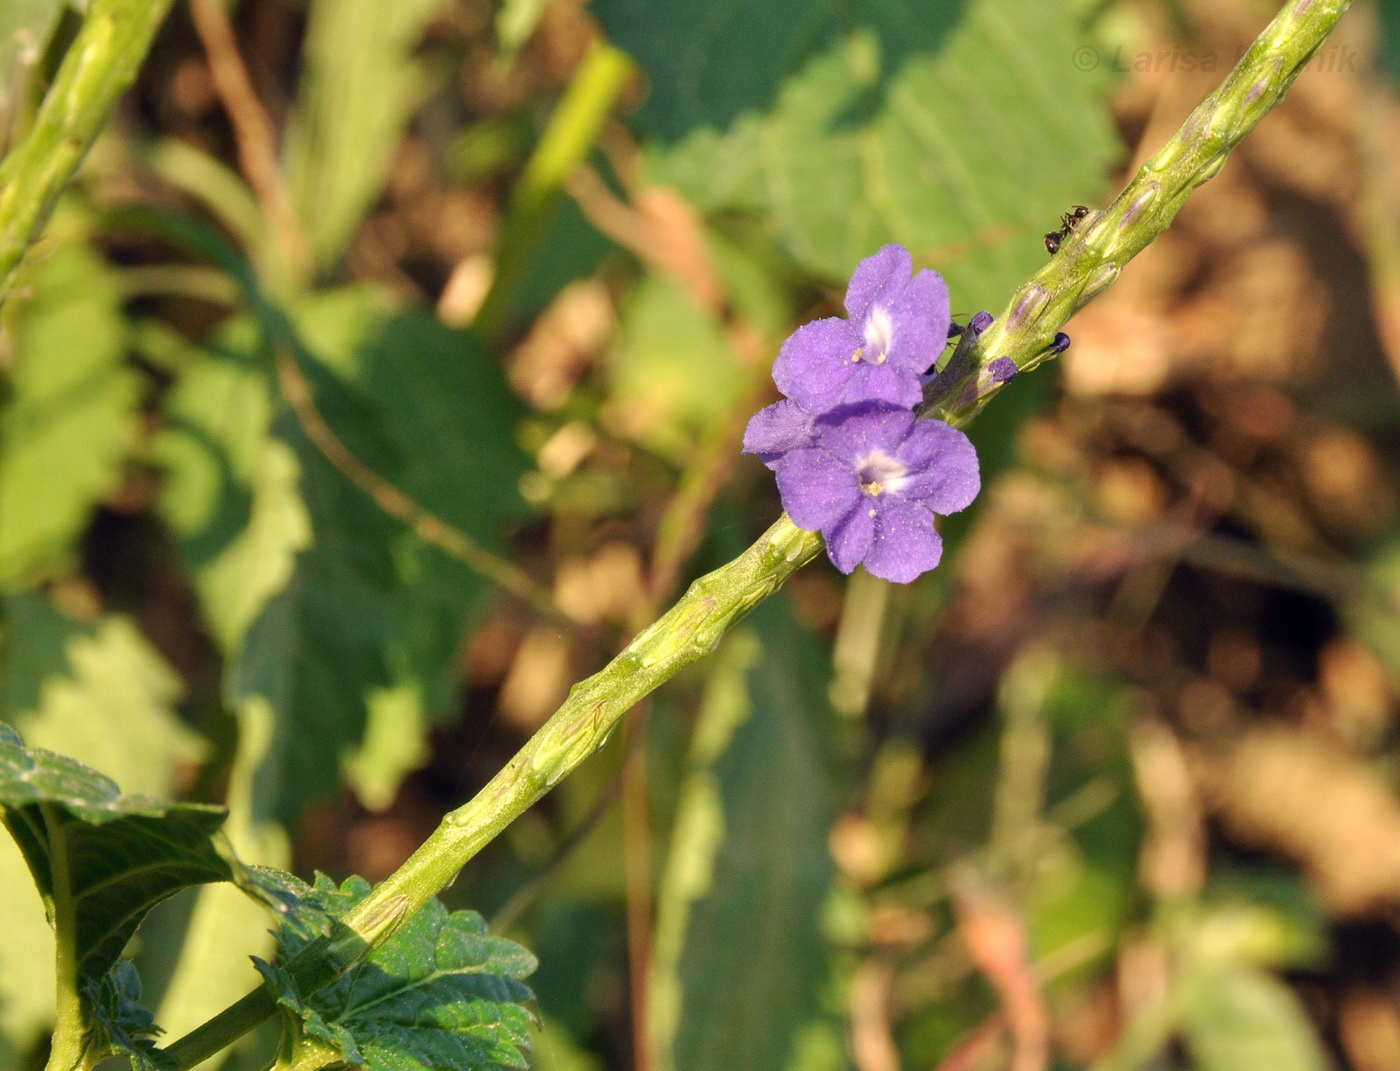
pixel 70 1025
pixel 568 139
pixel 101 63
pixel 691 629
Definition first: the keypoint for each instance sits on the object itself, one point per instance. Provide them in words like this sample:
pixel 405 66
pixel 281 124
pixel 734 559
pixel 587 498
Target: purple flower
pixel 872 480
pixel 897 328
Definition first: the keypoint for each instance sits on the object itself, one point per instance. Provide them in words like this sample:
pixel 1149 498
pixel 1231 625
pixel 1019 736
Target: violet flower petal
pixel 817 489
pixel 920 315
pixel 906 543
pixel 849 542
pixel 882 383
pixel 882 271
pixel 815 363
pixel 851 432
pixel 942 463
pixel 777 429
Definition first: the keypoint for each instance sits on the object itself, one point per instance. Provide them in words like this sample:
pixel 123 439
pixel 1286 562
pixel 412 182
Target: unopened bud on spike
pixel 1002 370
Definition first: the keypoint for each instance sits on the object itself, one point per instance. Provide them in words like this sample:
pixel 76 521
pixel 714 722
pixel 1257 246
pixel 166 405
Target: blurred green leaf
pixel 71 414
pixel 121 854
pixel 448 419
pixel 556 1050
pixel 394 744
pixel 291 564
pixel 749 857
pixel 1390 36
pixel 441 994
pixel 231 491
pixel 363 637
pixel 100 694
pixel 515 22
pixel 1085 876
pixel 671 373
pixel 963 135
pixel 319 646
pixel 710 61
pixel 360 83
pixel 26 956
pixel 1247 1020
pixel 103 695
pixel 25 27
pixel 571 249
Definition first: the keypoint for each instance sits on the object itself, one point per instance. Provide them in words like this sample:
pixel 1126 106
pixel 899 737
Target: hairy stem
pixel 1086 266
pixel 100 64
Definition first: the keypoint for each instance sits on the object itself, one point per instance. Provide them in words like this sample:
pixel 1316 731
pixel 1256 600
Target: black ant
pixel 1068 223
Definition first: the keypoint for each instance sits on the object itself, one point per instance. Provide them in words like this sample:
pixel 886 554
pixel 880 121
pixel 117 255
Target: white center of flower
pixel 880 474
pixel 879 335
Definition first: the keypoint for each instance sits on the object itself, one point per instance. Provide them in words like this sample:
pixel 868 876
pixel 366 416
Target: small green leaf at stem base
pixel 438 994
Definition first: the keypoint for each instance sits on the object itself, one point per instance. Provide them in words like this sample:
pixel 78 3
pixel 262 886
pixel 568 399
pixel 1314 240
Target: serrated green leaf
pixel 1247 1020
pixel 127 853
pixel 360 84
pixel 121 1025
pixel 122 854
pixel 99 693
pixel 440 994
pixel 962 133
pixel 748 856
pixel 71 415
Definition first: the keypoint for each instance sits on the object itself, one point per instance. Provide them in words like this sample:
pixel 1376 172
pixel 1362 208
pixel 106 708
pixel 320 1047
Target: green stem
pixel 70 1026
pixel 1086 266
pixel 684 634
pixel 572 130
pixel 100 64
